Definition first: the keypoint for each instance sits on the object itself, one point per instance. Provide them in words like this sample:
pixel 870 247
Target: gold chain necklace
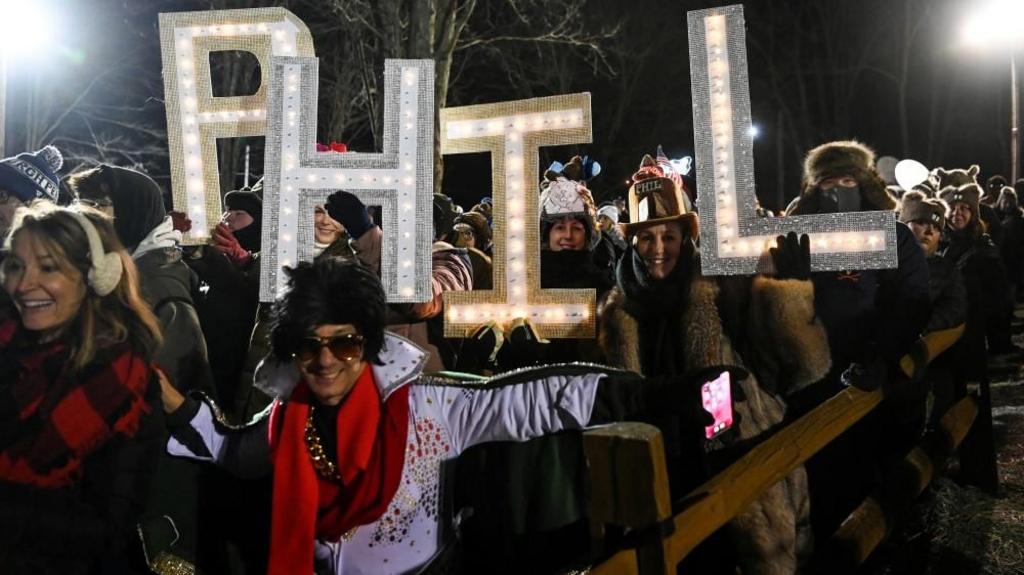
pixel 324 466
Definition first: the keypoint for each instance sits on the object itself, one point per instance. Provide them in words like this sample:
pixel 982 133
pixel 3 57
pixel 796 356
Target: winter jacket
pixel 445 418
pixel 993 223
pixel 167 285
pixel 227 313
pixel 984 276
pixel 948 295
pixel 1012 247
pixel 768 326
pixel 875 312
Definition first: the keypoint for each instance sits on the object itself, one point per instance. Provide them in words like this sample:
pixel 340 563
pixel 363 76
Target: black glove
pixel 477 349
pixel 867 376
pixel 792 257
pixel 522 348
pixel 350 211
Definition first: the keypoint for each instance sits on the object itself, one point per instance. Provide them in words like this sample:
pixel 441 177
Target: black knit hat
pixel 246 201
pixel 249 201
pixel 444 215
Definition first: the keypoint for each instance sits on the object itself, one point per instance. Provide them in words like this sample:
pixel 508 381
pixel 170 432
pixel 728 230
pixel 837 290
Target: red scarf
pixel 52 420
pixel 371 454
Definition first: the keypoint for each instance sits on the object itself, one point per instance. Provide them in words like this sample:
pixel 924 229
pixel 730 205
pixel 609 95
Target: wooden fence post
pixel 629 488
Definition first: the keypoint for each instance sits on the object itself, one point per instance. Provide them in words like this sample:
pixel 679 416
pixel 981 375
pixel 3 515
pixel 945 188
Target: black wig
pixel 329 291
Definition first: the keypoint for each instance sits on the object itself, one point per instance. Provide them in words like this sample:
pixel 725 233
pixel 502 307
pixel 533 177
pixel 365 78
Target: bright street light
pixel 995 24
pixel 24 26
pixel 754 131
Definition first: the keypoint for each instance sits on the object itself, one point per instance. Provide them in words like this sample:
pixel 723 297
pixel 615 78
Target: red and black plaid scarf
pixel 51 420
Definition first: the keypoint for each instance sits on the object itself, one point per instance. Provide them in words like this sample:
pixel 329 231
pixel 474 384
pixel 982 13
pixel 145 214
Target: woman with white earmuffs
pixel 78 427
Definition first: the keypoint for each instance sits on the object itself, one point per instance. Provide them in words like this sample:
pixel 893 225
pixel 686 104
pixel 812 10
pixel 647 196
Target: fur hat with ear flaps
pixel 842 158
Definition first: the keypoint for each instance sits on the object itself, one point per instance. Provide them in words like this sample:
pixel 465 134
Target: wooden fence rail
pixel 629 482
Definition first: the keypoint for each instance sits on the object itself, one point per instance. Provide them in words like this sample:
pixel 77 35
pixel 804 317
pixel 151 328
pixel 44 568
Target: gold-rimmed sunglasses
pixel 344 347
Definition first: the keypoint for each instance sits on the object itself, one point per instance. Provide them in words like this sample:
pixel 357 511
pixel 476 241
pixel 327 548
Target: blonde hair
pixel 101 321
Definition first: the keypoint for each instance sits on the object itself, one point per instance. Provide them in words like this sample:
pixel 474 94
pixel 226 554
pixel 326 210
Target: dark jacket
pixel 993 223
pixel 227 313
pixel 170 523
pixel 872 313
pixel 528 498
pixel 1012 246
pixel 168 286
pixel 948 295
pixel 981 266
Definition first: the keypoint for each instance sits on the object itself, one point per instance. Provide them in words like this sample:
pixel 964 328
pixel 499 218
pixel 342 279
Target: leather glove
pixel 224 242
pixel 346 208
pixel 867 376
pixel 792 257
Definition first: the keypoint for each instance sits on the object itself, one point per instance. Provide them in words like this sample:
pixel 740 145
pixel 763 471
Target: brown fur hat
pixel 846 157
pixel 915 207
pixel 842 158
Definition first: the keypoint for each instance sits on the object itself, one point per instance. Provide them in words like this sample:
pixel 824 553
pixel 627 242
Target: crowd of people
pixel 156 417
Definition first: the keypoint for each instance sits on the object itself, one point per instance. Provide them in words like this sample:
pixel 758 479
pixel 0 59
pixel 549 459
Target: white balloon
pixel 910 173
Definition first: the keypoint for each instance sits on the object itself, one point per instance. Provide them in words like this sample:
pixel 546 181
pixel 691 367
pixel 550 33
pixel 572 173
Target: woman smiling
pixel 77 424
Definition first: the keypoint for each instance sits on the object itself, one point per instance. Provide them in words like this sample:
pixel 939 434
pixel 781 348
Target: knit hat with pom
pixel 32 175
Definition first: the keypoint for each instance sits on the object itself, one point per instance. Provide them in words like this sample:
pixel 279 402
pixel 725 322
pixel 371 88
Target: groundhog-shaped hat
pixel 915 206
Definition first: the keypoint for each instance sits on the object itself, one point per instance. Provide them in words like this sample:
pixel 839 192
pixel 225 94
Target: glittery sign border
pixel 733 236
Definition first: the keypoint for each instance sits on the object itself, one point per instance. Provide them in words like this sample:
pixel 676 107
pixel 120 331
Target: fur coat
pixel 786 349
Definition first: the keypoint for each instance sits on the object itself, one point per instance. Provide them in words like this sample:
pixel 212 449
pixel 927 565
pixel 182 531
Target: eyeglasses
pixel 344 347
pixel 95 204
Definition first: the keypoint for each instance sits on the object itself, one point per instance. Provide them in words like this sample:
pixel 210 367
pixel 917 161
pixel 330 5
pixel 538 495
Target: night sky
pixel 819 70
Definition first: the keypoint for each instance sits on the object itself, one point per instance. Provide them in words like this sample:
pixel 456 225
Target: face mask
pixel 839 199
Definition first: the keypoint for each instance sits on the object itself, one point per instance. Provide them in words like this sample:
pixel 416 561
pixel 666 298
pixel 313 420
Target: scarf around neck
pixel 52 420
pixel 371 439
pixel 646 296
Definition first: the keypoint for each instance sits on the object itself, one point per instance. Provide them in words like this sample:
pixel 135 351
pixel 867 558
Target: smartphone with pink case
pixel 717 398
